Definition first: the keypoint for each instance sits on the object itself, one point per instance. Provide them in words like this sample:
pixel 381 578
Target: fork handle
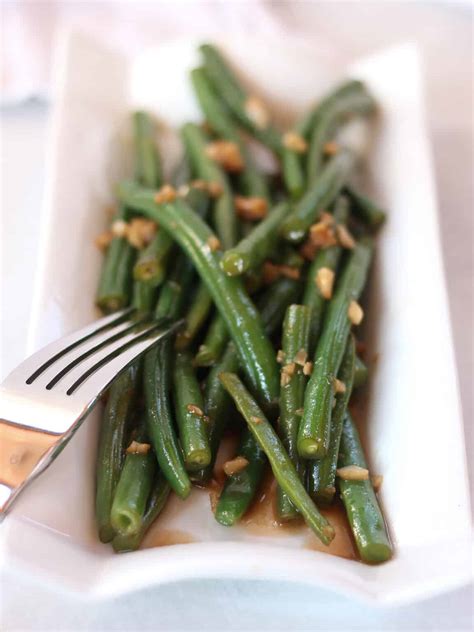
pixel 24 454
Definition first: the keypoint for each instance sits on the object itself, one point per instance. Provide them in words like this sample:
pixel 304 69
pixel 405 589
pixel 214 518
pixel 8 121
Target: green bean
pixel 239 488
pixel 133 489
pixel 322 472
pixel 229 89
pixel 234 305
pixel 144 296
pixel 363 511
pixel 366 210
pixel 111 445
pixel 196 316
pixel 292 162
pixel 252 180
pixel 152 260
pixel 251 251
pixel 116 276
pixel 158 497
pixel 361 372
pixel 148 167
pixel 295 339
pixel 282 466
pixel 275 299
pixel 325 258
pixel 217 405
pixel 189 408
pixel 318 197
pixel 157 368
pixel 225 219
pixel 160 421
pixel 346 102
pixel 214 343
pixel 313 434
pixel 273 305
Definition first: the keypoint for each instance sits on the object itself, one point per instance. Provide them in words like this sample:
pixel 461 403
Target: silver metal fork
pixel 47 397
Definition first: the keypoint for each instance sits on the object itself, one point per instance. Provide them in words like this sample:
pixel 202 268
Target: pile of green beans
pixel 267 284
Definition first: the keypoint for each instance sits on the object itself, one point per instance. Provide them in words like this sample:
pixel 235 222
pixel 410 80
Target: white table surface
pixel 25 603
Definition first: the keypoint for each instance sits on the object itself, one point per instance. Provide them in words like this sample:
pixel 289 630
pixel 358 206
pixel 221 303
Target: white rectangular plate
pixel 415 433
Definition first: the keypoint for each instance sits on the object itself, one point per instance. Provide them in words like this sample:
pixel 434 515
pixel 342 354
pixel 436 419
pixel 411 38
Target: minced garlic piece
pixel 308 250
pixel 308 368
pixel 183 190
pixel 251 208
pixel 138 448
pixel 140 232
pixel 289 368
pixel 235 465
pixel 213 243
pixel 280 356
pixel 324 281
pixel 345 238
pixel 301 357
pixel 257 112
pixel 167 193
pixel 225 153
pixel 285 379
pixel 353 473
pixel 338 386
pixel 331 148
pixel 295 142
pixel 290 272
pixel 322 235
pixel 376 480
pixel 119 228
pixel 214 189
pixel 270 272
pixel 103 240
pixel 256 420
pixel 299 412
pixel 192 408
pixel 355 313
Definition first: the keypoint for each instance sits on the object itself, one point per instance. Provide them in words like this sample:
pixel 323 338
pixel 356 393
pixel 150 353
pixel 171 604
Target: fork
pixel 47 397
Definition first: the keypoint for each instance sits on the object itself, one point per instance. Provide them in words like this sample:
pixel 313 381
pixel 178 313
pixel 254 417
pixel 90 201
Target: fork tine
pixel 105 370
pixel 56 350
pixel 100 345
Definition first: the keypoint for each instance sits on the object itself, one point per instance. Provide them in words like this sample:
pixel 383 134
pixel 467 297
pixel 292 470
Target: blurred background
pixel 339 32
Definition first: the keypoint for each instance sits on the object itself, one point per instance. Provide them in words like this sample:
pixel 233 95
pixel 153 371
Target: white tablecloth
pixel 444 34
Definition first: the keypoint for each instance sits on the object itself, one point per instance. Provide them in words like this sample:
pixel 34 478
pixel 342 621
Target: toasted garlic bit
pixel 226 153
pixel 192 408
pixel 322 234
pixel 213 243
pixel 119 228
pixel 325 281
pixel 138 448
pixel 280 356
pixel 308 250
pixel 331 148
pixel 235 465
pixel 299 412
pixel 290 272
pixel 301 357
pixel 376 480
pixel 270 272
pixel 167 193
pixel 251 208
pixel 103 240
pixel 308 368
pixel 285 379
pixel 355 313
pixel 214 189
pixel 295 142
pixel 338 386
pixel 353 473
pixel 257 112
pixel 256 420
pixel 345 238
pixel 140 232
